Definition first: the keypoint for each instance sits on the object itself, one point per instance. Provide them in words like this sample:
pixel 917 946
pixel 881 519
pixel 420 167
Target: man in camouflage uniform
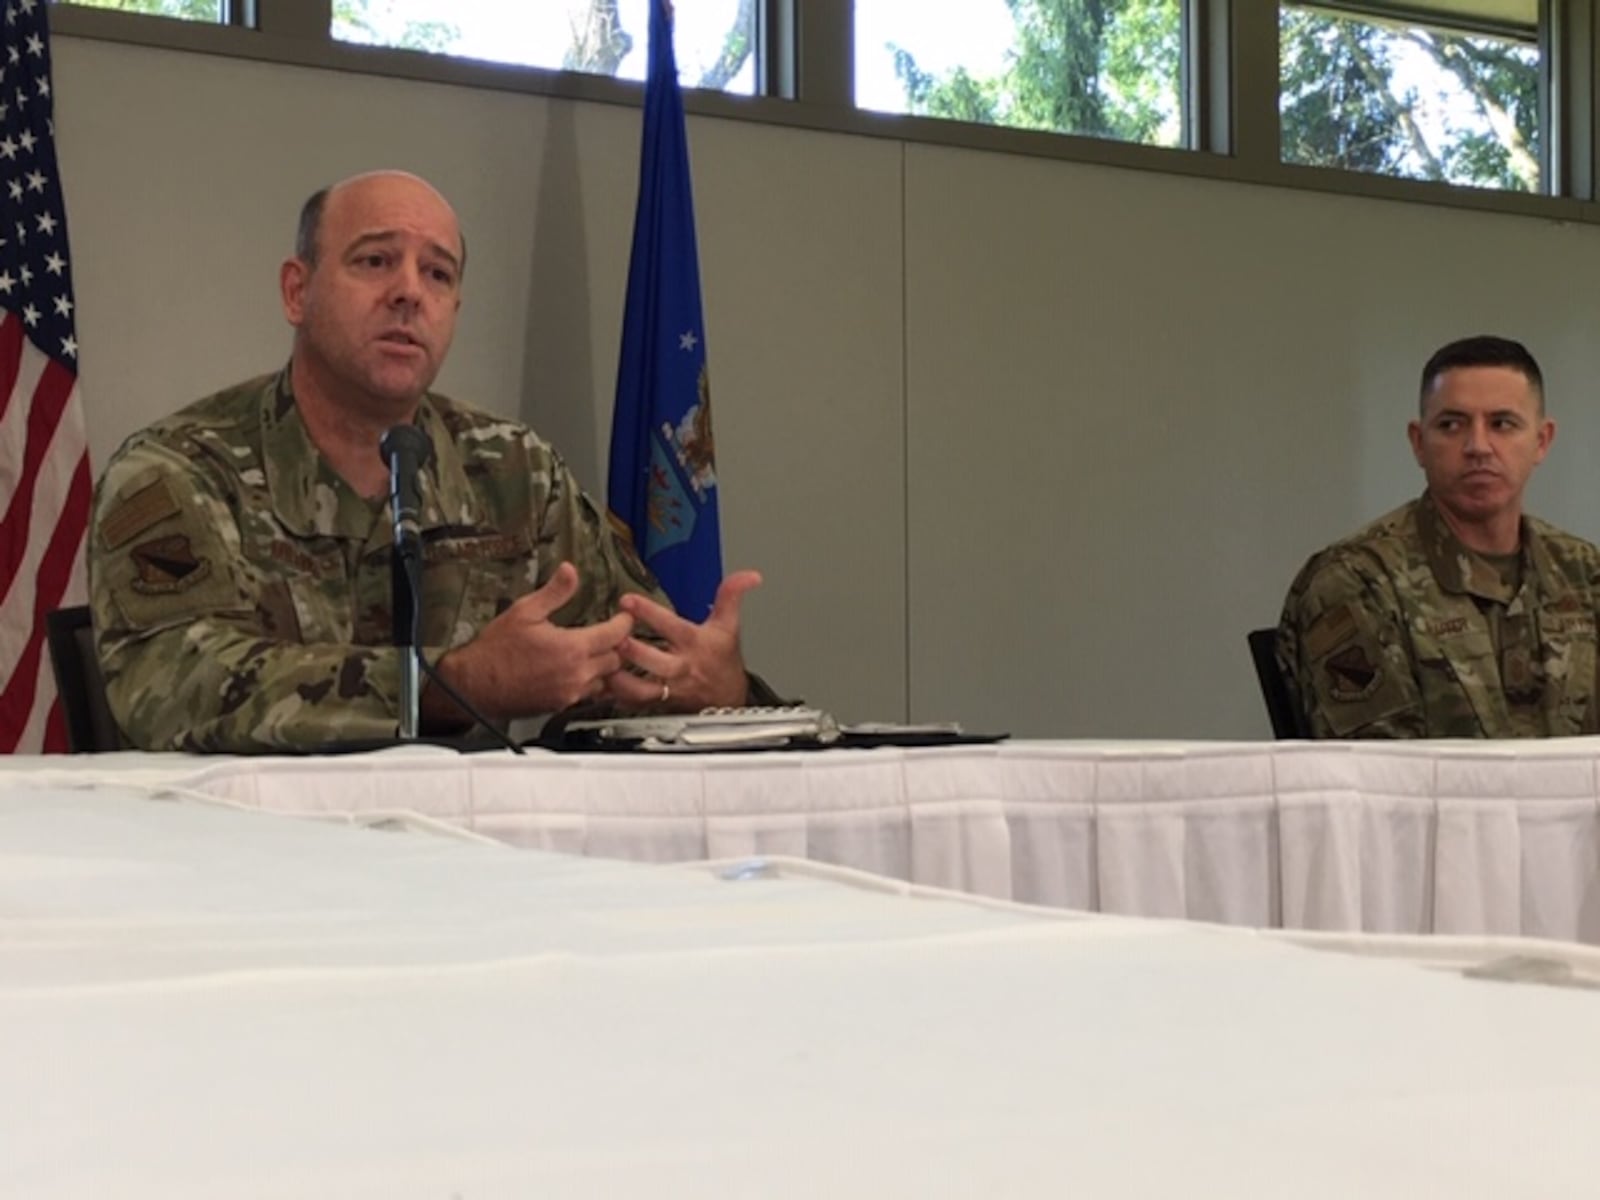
pixel 240 555
pixel 1457 615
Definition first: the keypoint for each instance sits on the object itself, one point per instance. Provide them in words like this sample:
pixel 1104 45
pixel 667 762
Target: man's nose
pixel 405 288
pixel 1477 437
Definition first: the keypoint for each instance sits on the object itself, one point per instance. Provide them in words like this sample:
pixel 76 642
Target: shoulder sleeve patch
pixel 148 506
pixel 1329 631
pixel 168 565
pixel 1352 674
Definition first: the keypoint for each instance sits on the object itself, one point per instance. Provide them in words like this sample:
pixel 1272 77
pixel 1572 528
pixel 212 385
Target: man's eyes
pixel 378 261
pixel 1454 424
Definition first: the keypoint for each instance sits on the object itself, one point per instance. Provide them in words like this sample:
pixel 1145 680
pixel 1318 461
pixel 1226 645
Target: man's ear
pixel 292 278
pixel 1547 435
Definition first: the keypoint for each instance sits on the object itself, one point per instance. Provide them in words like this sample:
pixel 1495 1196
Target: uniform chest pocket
pixel 304 595
pixel 1580 625
pixel 470 578
pixel 1567 649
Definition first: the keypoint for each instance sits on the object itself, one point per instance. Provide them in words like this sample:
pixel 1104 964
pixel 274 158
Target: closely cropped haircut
pixel 305 234
pixel 1483 350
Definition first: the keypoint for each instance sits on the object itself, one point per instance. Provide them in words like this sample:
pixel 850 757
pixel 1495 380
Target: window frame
pixel 1438 18
pixel 805 80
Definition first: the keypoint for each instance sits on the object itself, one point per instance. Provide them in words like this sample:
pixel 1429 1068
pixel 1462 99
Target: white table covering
pixel 1467 838
pixel 199 1002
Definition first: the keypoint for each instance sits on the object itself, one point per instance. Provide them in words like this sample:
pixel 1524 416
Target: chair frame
pixel 1283 708
pixel 81 687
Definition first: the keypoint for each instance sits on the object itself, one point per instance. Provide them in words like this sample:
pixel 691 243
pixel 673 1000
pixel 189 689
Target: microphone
pixel 407 450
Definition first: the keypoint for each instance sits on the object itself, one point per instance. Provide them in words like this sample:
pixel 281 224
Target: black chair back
pixel 90 725
pixel 1283 709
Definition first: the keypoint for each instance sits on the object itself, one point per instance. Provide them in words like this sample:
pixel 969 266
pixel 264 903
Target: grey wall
pixel 1024 443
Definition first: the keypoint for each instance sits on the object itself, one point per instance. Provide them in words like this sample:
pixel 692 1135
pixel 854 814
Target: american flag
pixel 45 482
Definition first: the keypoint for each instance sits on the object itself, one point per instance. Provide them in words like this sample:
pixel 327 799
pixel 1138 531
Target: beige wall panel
pixel 1137 402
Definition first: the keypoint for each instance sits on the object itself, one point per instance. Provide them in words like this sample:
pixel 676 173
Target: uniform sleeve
pixel 571 528
pixel 185 634
pixel 1344 645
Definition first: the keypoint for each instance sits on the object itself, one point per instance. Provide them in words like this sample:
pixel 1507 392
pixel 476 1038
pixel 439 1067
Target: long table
pixel 1465 838
pixel 197 1001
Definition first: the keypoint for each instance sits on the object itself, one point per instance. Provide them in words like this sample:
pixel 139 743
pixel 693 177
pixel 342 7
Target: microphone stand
pixel 407 575
pixel 406 449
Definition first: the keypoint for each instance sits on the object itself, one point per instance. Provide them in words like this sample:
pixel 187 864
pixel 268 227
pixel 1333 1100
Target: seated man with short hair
pixel 240 554
pixel 1456 615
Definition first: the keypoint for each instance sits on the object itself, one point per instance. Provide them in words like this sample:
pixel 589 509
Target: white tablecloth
pixel 200 1002
pixel 1468 838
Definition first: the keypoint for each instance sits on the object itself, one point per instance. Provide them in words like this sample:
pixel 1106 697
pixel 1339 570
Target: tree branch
pixel 1400 112
pixel 736 48
pixel 1454 58
pixel 599 43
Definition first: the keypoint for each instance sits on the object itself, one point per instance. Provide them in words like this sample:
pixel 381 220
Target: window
pixel 714 39
pixel 1456 101
pixel 1451 91
pixel 1109 69
pixel 186 10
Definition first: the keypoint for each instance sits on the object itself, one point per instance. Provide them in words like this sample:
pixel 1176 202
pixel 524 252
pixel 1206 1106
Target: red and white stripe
pixel 46 490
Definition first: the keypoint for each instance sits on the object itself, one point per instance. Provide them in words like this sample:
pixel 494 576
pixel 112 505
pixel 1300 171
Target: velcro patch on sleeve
pixel 165 566
pixel 1352 675
pixel 1330 631
pixel 148 506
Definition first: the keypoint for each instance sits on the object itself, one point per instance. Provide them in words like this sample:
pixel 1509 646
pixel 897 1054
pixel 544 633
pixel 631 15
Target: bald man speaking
pixel 240 553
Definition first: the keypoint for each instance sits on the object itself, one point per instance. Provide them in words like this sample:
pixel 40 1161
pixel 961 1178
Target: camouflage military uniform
pixel 1401 631
pixel 241 589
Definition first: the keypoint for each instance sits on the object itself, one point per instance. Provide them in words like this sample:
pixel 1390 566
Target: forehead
pixel 388 204
pixel 1482 389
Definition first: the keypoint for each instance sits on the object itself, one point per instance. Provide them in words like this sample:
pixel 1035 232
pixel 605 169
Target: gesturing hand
pixel 522 663
pixel 694 666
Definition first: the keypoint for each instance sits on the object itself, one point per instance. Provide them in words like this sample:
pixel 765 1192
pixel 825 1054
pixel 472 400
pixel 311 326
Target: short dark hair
pixel 310 225
pixel 305 234
pixel 1483 350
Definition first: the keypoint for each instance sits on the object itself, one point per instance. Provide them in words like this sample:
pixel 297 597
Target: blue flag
pixel 663 479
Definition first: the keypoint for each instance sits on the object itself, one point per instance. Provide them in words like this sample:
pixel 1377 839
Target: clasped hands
pixel 522 663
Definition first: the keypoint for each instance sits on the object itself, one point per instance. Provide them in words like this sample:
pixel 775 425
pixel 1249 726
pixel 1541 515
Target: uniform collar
pixel 309 497
pixel 1462 571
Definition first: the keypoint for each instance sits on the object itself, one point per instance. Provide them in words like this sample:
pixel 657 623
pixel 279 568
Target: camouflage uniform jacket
pixel 241 589
pixel 1394 632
